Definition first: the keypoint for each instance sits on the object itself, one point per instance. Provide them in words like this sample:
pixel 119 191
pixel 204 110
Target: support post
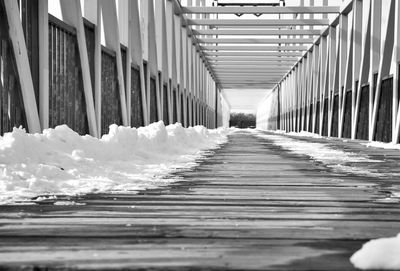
pixel 43 63
pixel 23 68
pixel 72 14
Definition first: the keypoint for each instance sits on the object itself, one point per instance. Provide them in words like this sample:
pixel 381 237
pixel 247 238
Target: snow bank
pixel 382 145
pixel 59 161
pixel 383 253
pixel 304 134
pixel 341 161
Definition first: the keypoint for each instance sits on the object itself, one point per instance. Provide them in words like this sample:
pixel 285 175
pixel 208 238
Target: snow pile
pixel 304 134
pixel 383 253
pixel 382 145
pixel 59 161
pixel 334 158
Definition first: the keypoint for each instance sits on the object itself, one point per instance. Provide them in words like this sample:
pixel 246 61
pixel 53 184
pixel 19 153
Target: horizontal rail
pixel 223 59
pixel 257 32
pixel 245 54
pixel 260 22
pixel 262 10
pixel 255 48
pixel 256 41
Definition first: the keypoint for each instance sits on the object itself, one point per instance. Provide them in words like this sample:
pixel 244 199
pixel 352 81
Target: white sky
pixel 244 100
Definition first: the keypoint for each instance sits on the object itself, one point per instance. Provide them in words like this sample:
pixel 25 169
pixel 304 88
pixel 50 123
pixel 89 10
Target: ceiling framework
pixel 255 53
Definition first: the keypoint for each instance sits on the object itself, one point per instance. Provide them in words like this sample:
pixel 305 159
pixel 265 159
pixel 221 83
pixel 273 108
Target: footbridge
pixel 304 191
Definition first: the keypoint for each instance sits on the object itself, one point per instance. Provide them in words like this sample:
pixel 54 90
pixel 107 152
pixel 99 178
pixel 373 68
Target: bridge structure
pixel 328 69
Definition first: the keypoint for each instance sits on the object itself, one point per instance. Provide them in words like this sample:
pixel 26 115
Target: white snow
pixel 382 145
pixel 59 161
pixel 383 253
pixel 304 134
pixel 334 158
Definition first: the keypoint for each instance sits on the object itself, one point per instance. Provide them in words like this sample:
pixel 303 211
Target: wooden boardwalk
pixel 251 206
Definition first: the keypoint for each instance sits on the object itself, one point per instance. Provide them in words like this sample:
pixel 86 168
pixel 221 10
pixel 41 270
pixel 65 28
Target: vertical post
pixel 23 67
pixel 384 65
pixel 364 67
pixel 343 56
pixel 375 53
pixel 97 68
pixel 396 75
pixel 357 50
pixel 332 69
pixel 43 63
pixel 216 105
pixel 72 14
pixel 128 83
pixel 324 82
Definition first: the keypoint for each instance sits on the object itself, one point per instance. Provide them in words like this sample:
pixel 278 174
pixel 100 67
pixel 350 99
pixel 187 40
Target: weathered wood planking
pixel 193 112
pixel 165 106
pixel 182 111
pixel 174 106
pixel 30 24
pixel 153 101
pixel 347 115
pixel 249 206
pixel 110 102
pixel 12 113
pixel 335 116
pixel 66 96
pixel 362 125
pixel 188 110
pixel 383 130
pixel 136 100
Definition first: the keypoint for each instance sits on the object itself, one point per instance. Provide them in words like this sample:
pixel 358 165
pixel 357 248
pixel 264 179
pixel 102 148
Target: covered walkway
pixel 250 204
pixel 267 199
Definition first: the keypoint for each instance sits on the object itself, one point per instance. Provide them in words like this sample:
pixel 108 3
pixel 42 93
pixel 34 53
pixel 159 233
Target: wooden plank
pixel 249 204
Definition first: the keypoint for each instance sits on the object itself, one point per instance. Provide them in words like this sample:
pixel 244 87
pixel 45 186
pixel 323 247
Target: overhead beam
pixel 275 79
pixel 263 75
pixel 257 32
pixel 247 81
pixel 262 9
pixel 246 86
pixel 255 48
pixel 262 66
pixel 267 68
pixel 259 79
pixel 269 74
pixel 245 54
pixel 263 80
pixel 270 77
pixel 247 59
pixel 255 41
pixel 273 62
pixel 239 72
pixel 259 22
